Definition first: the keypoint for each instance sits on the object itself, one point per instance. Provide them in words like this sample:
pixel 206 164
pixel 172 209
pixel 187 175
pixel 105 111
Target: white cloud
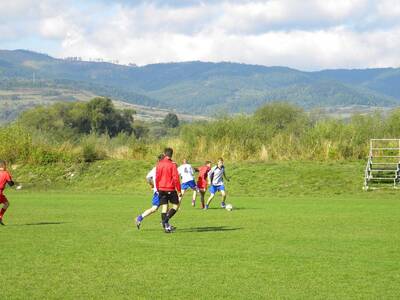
pixel 389 8
pixel 54 27
pixel 308 34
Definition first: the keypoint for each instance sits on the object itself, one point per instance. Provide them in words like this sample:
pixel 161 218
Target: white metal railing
pixel 385 155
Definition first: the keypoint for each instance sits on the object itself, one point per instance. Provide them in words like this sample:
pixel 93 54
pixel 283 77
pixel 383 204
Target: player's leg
pixel 194 198
pixel 202 195
pixel 155 204
pixel 145 214
pixel 212 194
pixel 164 208
pixel 174 199
pixel 6 204
pixel 195 189
pixel 223 194
pixel 150 211
pixel 182 193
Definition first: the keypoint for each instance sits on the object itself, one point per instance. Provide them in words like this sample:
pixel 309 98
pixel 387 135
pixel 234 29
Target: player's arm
pixel 224 174
pixel 158 176
pixel 177 182
pixel 210 176
pixel 149 178
pixel 9 179
pixel 180 172
pixel 150 182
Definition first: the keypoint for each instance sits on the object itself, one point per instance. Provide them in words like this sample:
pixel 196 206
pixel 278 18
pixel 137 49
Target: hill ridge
pixel 199 87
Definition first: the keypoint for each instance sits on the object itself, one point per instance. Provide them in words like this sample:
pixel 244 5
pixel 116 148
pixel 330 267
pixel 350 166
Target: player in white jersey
pixel 186 172
pixel 216 178
pixel 155 202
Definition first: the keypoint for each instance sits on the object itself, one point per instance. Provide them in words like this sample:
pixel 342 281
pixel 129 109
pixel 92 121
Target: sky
pixel 302 34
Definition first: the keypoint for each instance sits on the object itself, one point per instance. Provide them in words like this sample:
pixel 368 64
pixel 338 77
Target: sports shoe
pixel 222 204
pixel 1 222
pixel 139 220
pixel 168 228
pixel 206 207
pixel 193 203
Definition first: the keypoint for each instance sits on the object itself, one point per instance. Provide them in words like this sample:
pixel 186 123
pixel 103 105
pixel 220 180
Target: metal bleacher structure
pixel 383 166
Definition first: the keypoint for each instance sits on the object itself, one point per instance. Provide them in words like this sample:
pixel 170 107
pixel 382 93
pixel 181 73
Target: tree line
pixel 75 132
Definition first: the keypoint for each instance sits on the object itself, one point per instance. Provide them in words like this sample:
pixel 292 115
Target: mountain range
pixel 199 88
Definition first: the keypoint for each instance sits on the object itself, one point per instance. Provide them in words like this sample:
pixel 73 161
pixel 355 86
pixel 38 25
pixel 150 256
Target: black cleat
pixel 138 222
pixel 1 222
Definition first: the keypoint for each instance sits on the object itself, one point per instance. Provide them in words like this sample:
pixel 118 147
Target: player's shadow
pixel 236 208
pixel 40 224
pixel 210 229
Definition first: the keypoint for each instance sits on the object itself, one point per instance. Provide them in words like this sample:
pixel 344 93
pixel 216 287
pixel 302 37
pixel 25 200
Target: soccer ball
pixel 229 207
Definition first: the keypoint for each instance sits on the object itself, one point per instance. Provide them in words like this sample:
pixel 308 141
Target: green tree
pixel 171 120
pixel 97 116
pixel 282 116
pixel 104 118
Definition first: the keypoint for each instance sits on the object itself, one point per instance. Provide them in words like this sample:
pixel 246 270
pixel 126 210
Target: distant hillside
pixel 191 87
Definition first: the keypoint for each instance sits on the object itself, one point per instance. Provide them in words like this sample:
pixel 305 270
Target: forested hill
pixel 194 87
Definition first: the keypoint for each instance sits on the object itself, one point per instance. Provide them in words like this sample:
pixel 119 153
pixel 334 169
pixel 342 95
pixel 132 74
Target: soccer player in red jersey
pixel 169 188
pixel 202 180
pixel 5 178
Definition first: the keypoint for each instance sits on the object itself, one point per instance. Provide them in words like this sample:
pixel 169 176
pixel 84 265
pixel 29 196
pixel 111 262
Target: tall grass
pixel 277 131
pixel 302 137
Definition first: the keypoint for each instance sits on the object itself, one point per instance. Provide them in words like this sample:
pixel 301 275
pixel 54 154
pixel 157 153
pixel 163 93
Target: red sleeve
pixel 175 175
pixel 158 176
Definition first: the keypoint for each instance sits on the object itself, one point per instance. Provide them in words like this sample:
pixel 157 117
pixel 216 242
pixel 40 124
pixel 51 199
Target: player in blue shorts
pixel 216 178
pixel 155 202
pixel 186 172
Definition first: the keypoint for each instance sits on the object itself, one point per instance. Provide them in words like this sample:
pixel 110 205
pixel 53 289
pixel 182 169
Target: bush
pixel 15 144
pixel 92 149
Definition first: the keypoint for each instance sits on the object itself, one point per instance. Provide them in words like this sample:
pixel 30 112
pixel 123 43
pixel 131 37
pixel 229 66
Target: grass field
pixel 69 246
pixel 320 244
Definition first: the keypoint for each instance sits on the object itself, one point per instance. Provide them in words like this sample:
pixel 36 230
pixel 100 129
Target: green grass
pixel 302 240
pixel 286 178
pixel 69 246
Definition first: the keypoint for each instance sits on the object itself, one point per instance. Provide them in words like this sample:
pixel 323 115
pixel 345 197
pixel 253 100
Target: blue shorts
pixel 216 188
pixel 190 184
pixel 156 200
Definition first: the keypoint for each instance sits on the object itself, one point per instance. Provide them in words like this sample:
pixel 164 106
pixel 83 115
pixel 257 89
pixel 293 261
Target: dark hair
pixel 208 162
pixel 168 152
pixel 161 156
pixel 221 159
pixel 2 163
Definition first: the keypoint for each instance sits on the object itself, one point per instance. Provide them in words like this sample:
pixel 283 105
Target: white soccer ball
pixel 229 207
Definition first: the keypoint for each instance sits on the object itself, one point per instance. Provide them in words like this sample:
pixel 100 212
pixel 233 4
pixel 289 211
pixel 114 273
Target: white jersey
pixel 216 175
pixel 186 172
pixel 151 176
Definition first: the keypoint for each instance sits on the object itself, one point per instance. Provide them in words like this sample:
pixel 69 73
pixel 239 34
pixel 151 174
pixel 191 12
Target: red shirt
pixel 203 172
pixel 4 178
pixel 167 177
